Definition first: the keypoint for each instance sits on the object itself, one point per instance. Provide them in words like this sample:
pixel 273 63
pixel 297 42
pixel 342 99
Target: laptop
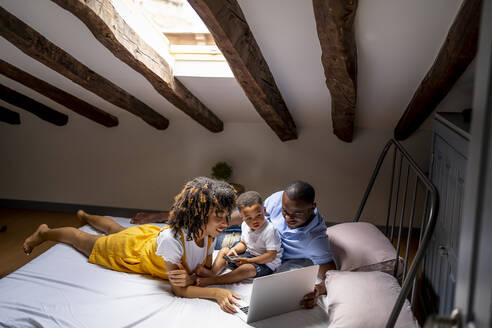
pixel 277 293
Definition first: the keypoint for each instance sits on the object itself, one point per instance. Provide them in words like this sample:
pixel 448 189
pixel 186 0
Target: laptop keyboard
pixel 245 309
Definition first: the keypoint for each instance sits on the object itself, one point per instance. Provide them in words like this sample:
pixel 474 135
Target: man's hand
pixel 180 277
pixel 309 300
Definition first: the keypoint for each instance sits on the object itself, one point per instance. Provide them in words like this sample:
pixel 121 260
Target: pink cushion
pixel 360 246
pixel 363 300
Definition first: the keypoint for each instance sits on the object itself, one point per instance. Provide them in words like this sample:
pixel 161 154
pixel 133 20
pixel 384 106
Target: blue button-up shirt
pixel 309 241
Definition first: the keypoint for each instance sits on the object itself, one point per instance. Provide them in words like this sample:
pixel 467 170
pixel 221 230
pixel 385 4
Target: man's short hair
pixel 247 199
pixel 300 190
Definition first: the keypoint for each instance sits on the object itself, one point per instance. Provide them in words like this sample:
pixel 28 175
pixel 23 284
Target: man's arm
pixel 321 287
pixel 310 300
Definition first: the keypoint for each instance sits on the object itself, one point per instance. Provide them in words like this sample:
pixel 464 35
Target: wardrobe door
pixel 448 175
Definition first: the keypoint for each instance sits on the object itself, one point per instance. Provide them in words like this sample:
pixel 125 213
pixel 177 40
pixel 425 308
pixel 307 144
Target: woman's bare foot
pixel 143 218
pixel 203 272
pixel 35 239
pixel 81 215
pixel 205 281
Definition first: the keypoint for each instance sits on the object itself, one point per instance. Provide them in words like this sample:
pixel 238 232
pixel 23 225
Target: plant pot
pixel 238 188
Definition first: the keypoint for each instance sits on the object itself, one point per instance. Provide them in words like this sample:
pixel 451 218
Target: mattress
pixel 61 289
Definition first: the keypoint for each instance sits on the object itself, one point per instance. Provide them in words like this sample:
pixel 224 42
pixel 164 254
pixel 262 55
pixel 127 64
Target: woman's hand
pixel 226 299
pixel 180 277
pixel 232 252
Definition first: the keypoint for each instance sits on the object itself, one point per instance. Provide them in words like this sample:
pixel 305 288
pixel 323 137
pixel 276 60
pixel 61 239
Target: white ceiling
pixel 397 42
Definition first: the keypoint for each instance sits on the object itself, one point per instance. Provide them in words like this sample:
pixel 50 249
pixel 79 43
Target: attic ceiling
pixel 397 42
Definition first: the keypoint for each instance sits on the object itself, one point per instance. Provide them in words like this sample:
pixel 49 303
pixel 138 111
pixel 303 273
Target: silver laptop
pixel 277 293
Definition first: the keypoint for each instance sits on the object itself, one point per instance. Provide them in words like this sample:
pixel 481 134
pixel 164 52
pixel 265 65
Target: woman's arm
pixel 224 297
pixel 178 276
pixel 182 286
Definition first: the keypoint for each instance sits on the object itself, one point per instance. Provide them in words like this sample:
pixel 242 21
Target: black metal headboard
pixel 398 214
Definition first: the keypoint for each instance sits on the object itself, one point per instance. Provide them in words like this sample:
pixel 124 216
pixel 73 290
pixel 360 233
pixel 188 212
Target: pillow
pixel 360 246
pixel 363 299
pixel 229 238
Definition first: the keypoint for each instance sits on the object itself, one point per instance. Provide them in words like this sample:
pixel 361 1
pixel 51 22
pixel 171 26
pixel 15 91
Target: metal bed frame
pixel 397 206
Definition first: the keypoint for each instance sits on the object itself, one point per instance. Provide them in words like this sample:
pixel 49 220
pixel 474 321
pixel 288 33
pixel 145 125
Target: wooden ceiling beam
pixel 335 27
pixel 75 104
pixel 8 116
pixel 226 22
pixel 457 52
pixel 32 106
pixel 117 36
pixel 35 45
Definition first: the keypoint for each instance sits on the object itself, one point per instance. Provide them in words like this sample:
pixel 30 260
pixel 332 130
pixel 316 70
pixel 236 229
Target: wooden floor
pixel 20 224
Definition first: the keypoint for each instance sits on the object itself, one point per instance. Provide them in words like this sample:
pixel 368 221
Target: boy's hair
pixel 192 205
pixel 300 190
pixel 247 199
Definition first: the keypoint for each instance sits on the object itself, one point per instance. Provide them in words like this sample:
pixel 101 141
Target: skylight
pixel 189 38
pixel 177 33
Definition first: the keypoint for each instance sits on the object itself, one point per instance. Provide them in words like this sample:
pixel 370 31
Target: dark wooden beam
pixel 114 33
pixel 77 105
pixel 8 116
pixel 32 106
pixel 35 45
pixel 458 50
pixel 231 32
pixel 335 26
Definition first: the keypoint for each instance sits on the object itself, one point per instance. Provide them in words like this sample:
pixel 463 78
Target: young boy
pixel 260 246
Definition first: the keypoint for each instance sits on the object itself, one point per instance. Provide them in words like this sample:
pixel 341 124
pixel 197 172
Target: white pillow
pixel 361 246
pixel 363 299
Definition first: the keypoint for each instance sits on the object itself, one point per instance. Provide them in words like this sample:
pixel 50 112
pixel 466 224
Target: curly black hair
pixel 193 204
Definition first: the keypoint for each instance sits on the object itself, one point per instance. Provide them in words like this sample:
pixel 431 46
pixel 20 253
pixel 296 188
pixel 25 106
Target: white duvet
pixel 61 289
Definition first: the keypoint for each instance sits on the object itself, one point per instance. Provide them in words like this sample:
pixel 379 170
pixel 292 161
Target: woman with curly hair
pixel 201 212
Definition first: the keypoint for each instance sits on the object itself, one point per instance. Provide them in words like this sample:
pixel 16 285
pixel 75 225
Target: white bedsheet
pixel 61 289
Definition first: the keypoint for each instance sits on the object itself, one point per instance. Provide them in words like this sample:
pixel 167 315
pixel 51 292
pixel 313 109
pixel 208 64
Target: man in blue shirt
pixel 302 229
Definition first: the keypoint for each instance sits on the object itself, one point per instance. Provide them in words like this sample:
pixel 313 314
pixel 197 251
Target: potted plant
pixel 223 171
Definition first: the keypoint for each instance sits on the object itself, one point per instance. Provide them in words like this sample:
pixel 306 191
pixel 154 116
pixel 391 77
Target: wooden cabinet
pixel 448 167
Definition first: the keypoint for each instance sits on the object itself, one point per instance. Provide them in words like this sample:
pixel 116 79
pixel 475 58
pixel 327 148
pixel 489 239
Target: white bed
pixel 61 289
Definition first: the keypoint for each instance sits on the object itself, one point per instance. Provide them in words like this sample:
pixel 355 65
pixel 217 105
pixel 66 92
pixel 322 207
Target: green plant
pixel 221 171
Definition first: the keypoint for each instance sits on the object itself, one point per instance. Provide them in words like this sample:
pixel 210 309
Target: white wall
pixel 138 167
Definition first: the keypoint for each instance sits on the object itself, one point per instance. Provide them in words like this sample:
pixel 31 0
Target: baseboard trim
pixel 120 211
pixel 71 208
